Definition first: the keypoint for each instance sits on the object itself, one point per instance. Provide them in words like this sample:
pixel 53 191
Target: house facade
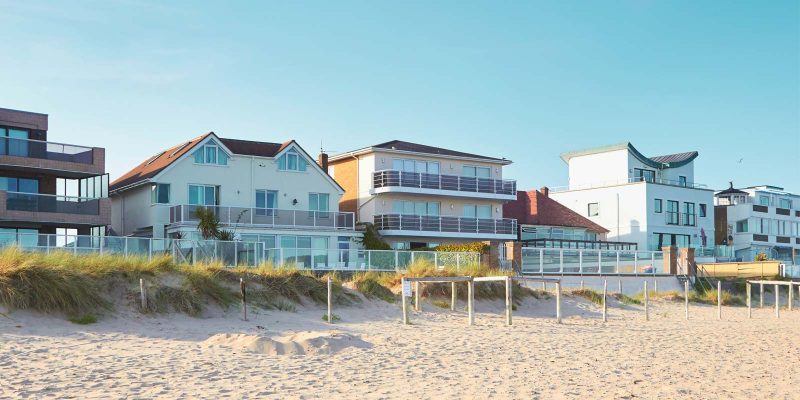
pixel 651 201
pixel 48 187
pixel 421 196
pixel 273 193
pixel 759 219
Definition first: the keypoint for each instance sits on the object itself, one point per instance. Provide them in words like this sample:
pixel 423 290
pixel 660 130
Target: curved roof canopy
pixel 659 162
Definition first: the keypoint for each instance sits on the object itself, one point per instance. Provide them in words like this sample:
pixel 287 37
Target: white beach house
pixel 759 219
pixel 652 201
pixel 273 193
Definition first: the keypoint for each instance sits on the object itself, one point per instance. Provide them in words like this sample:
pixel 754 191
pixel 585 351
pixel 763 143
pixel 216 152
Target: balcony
pixel 603 184
pixel 393 181
pixel 75 161
pixel 48 208
pixel 449 227
pixel 267 217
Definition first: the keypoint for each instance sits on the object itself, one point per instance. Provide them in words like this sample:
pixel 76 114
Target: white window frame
pixel 217 191
pixel 589 209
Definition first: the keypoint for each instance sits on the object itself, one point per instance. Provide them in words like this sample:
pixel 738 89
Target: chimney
pixel 322 160
pixel 545 191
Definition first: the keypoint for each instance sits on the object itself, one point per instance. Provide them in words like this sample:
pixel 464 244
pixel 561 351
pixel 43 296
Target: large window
pixel 318 201
pixel 159 193
pixel 644 175
pixel 266 201
pixel 660 240
pixel 210 153
pixel 689 216
pixel 593 209
pixel 268 240
pixel 22 185
pixel 786 203
pixel 476 172
pixel 741 226
pixel 203 195
pixel 407 207
pixel 659 206
pixel 292 161
pixel 477 211
pixel 14 142
pixel 763 200
pixel 428 167
pixel 672 212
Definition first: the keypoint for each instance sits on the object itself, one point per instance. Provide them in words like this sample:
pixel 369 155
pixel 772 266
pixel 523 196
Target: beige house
pixel 421 196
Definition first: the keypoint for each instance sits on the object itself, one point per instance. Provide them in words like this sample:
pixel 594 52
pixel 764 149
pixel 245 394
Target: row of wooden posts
pixel 508 280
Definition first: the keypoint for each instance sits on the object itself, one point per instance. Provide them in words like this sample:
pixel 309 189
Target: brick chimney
pixel 322 160
pixel 545 191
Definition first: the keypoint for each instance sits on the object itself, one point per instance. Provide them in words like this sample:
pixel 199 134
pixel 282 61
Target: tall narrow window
pixel 682 180
pixel 689 217
pixel 672 212
pixel 702 212
pixel 659 206
pixel 159 193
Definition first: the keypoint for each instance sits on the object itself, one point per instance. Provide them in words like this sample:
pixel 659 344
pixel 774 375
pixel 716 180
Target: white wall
pixel 657 222
pixel 592 169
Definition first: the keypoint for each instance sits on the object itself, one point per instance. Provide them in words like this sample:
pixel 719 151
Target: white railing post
pixel 150 250
pixel 101 245
pixel 126 246
pixel 580 262
pixel 653 261
pixel 412 257
pixel 600 262
pixel 561 261
pixel 235 254
pixel 541 261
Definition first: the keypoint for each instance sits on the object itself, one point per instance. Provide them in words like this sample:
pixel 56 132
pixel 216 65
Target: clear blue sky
pixel 526 81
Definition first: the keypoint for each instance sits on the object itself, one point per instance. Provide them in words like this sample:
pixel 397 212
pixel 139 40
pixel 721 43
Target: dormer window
pixel 292 161
pixel 210 153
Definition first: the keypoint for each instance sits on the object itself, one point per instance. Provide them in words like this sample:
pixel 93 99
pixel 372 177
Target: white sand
pixel 370 354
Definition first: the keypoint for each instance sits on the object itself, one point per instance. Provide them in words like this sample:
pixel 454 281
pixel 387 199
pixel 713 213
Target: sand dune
pixel 370 354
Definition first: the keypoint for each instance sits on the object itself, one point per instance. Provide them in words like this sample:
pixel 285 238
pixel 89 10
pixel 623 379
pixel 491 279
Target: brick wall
pixel 345 172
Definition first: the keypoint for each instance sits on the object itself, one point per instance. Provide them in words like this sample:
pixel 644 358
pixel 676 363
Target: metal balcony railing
pixel 601 184
pixel 46 150
pixel 420 180
pixel 36 202
pixel 429 223
pixel 270 217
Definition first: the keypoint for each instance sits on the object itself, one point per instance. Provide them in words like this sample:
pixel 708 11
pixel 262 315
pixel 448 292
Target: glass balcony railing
pixel 46 150
pixel 36 202
pixel 270 217
pixel 429 223
pixel 420 180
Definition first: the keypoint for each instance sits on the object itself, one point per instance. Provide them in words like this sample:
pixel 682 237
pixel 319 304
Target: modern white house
pixel 420 196
pixel 273 193
pixel 651 201
pixel 759 219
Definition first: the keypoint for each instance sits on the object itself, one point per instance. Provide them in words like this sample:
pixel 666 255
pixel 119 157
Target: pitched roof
pixel 660 162
pixel 161 160
pixel 400 145
pixel 536 208
pixel 730 190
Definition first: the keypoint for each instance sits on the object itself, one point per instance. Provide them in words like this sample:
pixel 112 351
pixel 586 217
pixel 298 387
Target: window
pixel 644 175
pixel 689 216
pixel 407 207
pixel 210 153
pixel 672 212
pixel 427 167
pixel 702 210
pixel 763 200
pixel 159 193
pixel 741 226
pixel 786 203
pixel 477 211
pixel 21 185
pixel 682 180
pixel 659 206
pixel 782 228
pixel 203 195
pixel 594 209
pixel 266 201
pixel 14 142
pixel 318 201
pixel 292 161
pixel 268 240
pixel 476 172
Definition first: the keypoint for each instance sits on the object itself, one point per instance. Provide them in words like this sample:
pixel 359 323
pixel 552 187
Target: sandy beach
pixel 370 354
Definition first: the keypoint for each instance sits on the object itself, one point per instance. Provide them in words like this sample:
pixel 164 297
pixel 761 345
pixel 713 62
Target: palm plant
pixel 207 223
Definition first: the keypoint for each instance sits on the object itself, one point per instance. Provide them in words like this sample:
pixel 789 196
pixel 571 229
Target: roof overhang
pixel 368 150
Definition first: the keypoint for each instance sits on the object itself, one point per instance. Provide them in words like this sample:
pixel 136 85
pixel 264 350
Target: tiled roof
pixel 535 208
pixel 675 158
pixel 153 165
pixel 400 145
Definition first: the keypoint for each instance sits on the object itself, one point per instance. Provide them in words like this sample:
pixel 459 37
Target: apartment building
pixel 48 187
pixel 421 196
pixel 759 219
pixel 651 201
pixel 273 193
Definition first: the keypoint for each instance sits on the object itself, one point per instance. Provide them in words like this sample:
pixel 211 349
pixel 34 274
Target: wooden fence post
pixel 243 291
pixel 646 304
pixel 749 300
pixel 655 285
pixel 791 297
pixel 508 300
pixel 143 294
pixel 470 302
pixel 777 302
pixel 605 306
pixel 719 299
pixel 330 300
pixel 558 302
pixel 405 301
pixel 686 298
pixel 761 299
pixel 453 296
pixel 417 305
